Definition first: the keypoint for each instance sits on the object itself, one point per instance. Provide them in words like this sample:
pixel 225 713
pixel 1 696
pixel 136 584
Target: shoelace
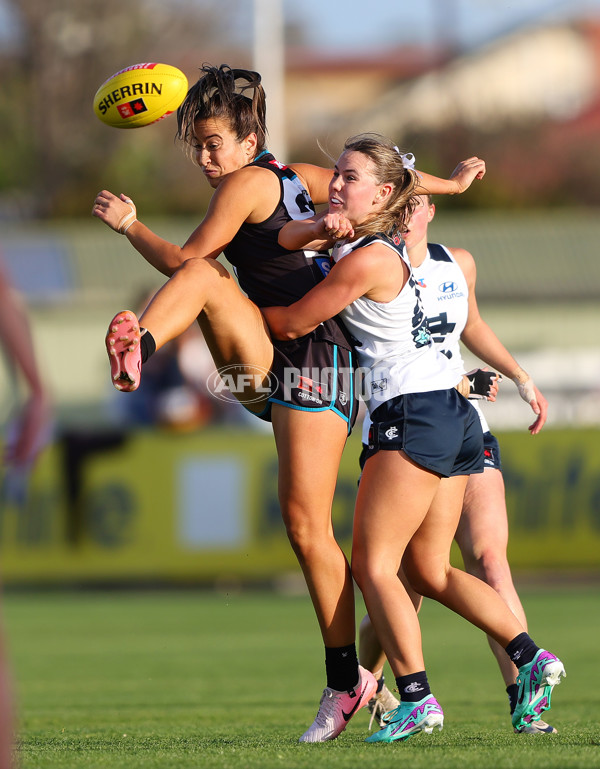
pixel 326 706
pixel 374 711
pixel 378 711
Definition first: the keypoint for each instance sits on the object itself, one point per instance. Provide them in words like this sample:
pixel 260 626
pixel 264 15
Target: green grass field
pixel 192 679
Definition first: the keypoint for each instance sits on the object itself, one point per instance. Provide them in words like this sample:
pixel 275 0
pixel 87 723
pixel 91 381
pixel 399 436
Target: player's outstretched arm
pixel 237 197
pixel 465 173
pixel 316 179
pixel 482 341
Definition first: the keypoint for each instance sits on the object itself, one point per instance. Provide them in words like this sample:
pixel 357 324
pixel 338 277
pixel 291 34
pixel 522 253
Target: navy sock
pixel 522 650
pixel 341 667
pixel 147 345
pixel 413 687
pixel 380 684
pixel 513 693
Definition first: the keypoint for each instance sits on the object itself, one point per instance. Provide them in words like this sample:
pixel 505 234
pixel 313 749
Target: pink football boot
pixel 123 348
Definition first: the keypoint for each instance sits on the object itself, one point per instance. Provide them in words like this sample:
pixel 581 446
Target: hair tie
pixel 408 159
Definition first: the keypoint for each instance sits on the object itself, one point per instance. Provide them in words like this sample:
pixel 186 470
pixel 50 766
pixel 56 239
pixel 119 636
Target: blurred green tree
pixel 55 153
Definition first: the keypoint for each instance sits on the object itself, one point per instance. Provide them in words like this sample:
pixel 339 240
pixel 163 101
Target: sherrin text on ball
pixel 140 95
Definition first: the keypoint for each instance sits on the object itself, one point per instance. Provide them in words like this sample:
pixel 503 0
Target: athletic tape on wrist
pixel 126 221
pixel 526 390
pixel 124 229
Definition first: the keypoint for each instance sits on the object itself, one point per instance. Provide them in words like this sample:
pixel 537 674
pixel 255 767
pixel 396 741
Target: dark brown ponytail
pixel 234 95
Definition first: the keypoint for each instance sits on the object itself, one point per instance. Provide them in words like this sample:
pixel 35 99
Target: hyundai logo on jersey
pixel 447 287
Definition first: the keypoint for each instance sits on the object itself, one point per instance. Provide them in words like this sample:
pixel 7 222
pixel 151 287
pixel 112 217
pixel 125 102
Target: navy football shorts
pixel 438 430
pixel 491 451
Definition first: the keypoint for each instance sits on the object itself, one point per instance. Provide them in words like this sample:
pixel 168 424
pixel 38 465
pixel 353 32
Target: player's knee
pixel 203 271
pixel 491 567
pixel 301 536
pixel 427 579
pixel 367 571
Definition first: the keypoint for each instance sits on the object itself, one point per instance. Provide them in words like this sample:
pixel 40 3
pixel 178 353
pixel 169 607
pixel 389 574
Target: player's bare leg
pixel 233 326
pixel 392 482
pixel 309 446
pixel 372 657
pixel 482 536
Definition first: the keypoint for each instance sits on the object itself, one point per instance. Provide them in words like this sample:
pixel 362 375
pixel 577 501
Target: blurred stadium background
pixel 173 486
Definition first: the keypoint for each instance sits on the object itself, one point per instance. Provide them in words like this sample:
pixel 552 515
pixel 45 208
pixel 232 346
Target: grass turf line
pixel 191 679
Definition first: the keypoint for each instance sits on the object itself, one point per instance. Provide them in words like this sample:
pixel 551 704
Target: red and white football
pixel 140 95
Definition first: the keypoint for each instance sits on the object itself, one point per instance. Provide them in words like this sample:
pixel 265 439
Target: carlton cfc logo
pixel 447 287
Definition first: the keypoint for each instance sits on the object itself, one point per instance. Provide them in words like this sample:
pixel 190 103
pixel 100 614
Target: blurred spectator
pixel 29 428
pixel 26 436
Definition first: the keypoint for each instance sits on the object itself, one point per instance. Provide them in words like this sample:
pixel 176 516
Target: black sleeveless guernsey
pixel 267 272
